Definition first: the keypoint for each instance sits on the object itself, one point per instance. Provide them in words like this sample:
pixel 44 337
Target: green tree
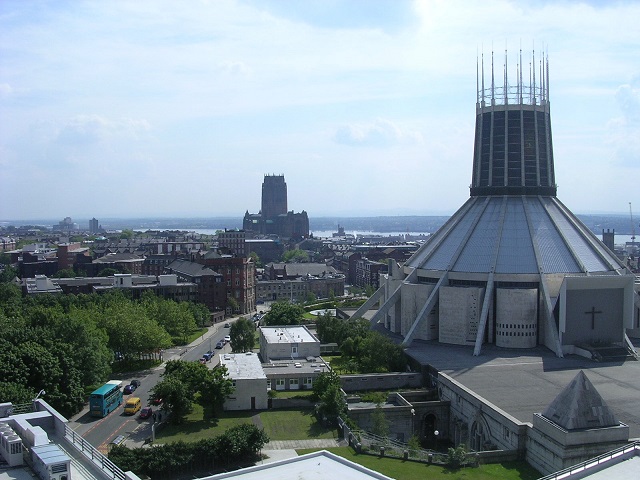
pixel 175 396
pixel 284 313
pixel 233 303
pixel 379 423
pixel 217 387
pixel 295 256
pixel 255 259
pixel 65 273
pixel 127 234
pixel 242 335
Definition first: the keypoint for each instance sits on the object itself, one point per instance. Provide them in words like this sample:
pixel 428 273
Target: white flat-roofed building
pixel 291 341
pixel 312 466
pixel 249 380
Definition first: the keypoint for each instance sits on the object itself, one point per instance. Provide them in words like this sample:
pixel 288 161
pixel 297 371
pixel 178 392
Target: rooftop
pixel 242 366
pixel 288 334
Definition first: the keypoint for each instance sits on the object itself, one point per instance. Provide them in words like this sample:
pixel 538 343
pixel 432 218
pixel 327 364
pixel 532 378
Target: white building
pixel 249 381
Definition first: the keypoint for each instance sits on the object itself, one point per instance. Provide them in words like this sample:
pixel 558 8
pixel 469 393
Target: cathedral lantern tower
pixel 513 150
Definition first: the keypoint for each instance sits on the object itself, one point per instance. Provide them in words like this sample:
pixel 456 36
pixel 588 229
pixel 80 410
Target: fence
pixel 368 443
pixel 90 453
pixel 621 453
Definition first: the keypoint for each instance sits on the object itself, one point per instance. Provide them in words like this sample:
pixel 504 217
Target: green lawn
pixel 199 426
pixel 294 425
pixel 278 424
pixel 406 470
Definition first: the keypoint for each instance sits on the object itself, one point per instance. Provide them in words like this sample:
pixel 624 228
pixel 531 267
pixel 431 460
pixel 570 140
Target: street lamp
pixel 436 433
pixel 413 416
pixel 41 392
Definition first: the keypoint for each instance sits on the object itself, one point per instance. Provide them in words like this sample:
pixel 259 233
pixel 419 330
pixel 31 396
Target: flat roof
pixel 300 366
pixel 525 381
pixel 312 466
pixel 242 366
pixel 288 334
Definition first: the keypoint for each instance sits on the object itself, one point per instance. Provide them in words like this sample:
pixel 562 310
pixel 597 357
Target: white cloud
pixel 89 129
pixel 5 90
pixel 624 131
pixel 380 133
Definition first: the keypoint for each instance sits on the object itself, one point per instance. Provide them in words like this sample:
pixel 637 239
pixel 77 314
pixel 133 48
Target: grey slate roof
pixel 580 406
pixel 191 269
pixel 515 235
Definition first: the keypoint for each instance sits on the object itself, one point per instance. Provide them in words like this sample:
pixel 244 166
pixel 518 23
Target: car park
pixel 146 412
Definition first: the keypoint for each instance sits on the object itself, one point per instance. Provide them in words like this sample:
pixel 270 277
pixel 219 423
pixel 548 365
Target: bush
pixel 456 456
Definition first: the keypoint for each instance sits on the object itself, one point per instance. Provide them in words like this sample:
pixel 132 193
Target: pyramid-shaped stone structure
pixel 580 406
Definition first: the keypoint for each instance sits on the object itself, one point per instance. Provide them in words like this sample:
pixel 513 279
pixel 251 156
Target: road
pixel 100 431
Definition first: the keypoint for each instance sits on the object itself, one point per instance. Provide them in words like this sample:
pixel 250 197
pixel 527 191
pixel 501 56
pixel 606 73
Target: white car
pixel 227 338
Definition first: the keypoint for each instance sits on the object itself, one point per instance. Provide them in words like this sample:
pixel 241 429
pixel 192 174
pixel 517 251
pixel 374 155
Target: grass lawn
pixel 198 426
pixel 301 394
pixel 294 425
pixel 406 470
pixel 278 424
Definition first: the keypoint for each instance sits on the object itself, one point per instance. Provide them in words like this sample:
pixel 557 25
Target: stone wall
pixel 380 381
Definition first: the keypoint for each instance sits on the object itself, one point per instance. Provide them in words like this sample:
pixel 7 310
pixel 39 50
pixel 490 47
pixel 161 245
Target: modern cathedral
pixel 513 266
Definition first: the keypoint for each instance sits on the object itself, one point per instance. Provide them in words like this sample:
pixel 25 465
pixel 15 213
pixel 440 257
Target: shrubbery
pixel 241 443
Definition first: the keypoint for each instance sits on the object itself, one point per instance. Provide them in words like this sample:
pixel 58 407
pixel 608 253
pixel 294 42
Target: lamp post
pixel 436 433
pixel 413 416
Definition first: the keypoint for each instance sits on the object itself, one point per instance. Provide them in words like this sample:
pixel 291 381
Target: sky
pixel 160 108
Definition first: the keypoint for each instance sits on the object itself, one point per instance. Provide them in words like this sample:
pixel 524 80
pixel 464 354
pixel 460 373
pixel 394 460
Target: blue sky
pixel 165 108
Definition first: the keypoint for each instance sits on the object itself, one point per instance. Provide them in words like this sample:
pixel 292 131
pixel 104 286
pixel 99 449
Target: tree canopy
pixel 242 335
pixel 65 344
pixel 284 313
pixel 183 381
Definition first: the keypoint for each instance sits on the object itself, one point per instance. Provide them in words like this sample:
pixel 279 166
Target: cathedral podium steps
pixel 609 353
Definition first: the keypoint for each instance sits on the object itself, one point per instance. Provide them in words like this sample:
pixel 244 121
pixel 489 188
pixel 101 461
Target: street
pixel 99 432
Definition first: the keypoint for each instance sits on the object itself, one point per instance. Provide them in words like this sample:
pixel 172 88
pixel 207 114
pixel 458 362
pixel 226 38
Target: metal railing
pixel 110 469
pixel 594 462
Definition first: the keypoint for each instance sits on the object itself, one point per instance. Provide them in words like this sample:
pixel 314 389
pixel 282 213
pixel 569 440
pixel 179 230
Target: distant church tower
pixel 274 196
pixel 274 217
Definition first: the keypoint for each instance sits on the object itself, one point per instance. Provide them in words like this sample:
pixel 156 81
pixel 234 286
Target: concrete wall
pixel 459 313
pixel 550 448
pixel 380 381
pixel 476 422
pixel 414 297
pixel 246 390
pixel 516 318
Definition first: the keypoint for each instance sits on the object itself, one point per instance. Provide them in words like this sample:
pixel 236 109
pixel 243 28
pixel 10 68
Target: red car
pixel 146 412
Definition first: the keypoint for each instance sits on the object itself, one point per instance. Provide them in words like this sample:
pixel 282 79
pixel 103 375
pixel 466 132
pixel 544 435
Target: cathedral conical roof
pixel 580 406
pixel 513 223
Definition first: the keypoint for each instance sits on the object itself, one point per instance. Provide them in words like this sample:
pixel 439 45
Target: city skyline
pixel 155 108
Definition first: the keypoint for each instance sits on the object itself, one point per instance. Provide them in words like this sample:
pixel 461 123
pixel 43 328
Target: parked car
pixel 128 389
pixel 227 325
pixel 220 344
pixel 156 401
pixel 135 382
pixel 227 338
pixel 207 356
pixel 146 412
pixel 203 360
